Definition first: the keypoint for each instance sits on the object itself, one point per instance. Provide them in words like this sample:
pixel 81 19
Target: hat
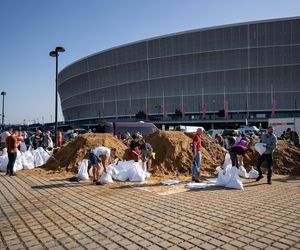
pixel 271 127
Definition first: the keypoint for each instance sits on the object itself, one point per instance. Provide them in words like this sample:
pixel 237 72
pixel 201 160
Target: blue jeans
pixel 196 166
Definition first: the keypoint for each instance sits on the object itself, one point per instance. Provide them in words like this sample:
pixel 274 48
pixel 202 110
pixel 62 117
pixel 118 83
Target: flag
pixel 225 109
pixel 165 111
pixel 204 109
pixel 247 110
pixel 273 106
pixel 183 111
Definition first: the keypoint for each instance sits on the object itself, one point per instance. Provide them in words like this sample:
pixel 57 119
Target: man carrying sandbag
pixel 97 156
pixel 237 150
pixel 270 141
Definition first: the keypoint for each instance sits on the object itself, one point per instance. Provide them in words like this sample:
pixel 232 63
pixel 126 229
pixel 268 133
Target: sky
pixel 30 29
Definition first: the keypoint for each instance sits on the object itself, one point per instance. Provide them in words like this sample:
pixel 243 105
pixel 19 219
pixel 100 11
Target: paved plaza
pixel 52 213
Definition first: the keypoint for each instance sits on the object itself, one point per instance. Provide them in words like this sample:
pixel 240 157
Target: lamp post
pixel 3 94
pixel 55 53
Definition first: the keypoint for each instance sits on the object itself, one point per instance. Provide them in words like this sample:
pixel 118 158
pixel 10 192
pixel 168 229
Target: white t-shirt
pixel 101 151
pixel 4 135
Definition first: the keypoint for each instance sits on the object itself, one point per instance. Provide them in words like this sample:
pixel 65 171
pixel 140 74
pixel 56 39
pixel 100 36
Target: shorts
pixel 93 158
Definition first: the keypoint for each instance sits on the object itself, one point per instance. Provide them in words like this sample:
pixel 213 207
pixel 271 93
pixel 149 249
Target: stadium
pixel 212 75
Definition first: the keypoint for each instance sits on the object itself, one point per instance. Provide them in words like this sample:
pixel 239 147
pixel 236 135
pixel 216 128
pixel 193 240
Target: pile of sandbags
pixel 123 171
pixel 25 160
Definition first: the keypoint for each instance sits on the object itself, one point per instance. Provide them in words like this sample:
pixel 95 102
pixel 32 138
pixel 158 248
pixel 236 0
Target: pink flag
pixel 273 106
pixel 165 111
pixel 204 109
pixel 226 109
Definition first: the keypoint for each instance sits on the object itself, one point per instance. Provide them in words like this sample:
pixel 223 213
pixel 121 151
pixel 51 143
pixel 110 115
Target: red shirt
pixel 197 142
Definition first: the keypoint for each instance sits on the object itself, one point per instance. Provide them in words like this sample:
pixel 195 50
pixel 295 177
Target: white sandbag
pixel 170 182
pixel 234 181
pixel 136 172
pixel 121 169
pixel 3 162
pixel 28 160
pixel 242 172
pixel 253 174
pixel 193 185
pixel 212 180
pixel 82 170
pixel 106 177
pixel 18 163
pixel 91 171
pixel 23 147
pixel 221 177
pixel 45 154
pixel 38 159
pixel 260 148
pixel 227 160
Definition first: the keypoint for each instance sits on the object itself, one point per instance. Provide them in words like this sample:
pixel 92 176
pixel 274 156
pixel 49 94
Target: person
pixel 11 145
pixel 59 138
pixel 4 135
pixel 134 150
pixel 270 142
pixel 219 140
pixel 98 156
pixel 37 139
pixel 238 151
pixel 197 155
pixel 293 136
pixel 146 152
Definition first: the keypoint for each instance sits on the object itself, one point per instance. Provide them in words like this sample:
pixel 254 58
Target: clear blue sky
pixel 31 28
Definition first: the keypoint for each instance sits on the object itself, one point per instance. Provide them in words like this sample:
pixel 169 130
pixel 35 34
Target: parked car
pixel 122 128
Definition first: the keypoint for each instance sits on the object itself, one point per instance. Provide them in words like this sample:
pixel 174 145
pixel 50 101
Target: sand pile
pixel 67 157
pixel 174 154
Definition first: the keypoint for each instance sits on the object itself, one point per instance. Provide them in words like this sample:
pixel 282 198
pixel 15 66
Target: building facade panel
pixel 250 66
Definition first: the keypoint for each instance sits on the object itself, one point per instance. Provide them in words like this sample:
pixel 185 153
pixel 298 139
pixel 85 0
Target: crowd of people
pixel 237 146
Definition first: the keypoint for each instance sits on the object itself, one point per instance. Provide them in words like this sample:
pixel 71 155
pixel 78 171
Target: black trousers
pixel 269 159
pixel 11 162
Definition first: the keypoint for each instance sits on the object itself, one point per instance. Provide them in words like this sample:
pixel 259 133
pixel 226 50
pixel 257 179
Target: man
pixel 293 136
pixel 146 151
pixel 97 156
pixel 197 155
pixel 270 142
pixel 11 145
pixel 4 135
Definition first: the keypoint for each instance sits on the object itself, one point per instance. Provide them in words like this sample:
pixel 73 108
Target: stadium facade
pixel 226 72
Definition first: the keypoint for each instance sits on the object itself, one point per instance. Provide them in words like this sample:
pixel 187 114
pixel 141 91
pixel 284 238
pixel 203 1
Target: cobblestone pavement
pixel 43 213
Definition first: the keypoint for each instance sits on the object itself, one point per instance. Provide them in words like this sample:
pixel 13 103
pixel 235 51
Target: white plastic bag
pixel 105 177
pixel 260 147
pixel 28 160
pixel 235 180
pixel 38 159
pixel 170 182
pixel 18 163
pixel 242 172
pixel 3 161
pixel 136 172
pixel 121 169
pixel 82 170
pixel 91 171
pixel 221 177
pixel 227 160
pixel 253 174
pixel 192 185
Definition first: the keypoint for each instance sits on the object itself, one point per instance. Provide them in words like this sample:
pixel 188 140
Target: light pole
pixel 3 94
pixel 55 53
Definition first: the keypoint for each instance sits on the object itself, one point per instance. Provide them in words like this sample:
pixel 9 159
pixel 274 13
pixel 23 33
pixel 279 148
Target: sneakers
pixel 259 177
pixel 98 183
pixel 270 182
pixel 197 181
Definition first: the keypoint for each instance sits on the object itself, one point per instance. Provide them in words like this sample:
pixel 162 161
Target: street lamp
pixel 55 53
pixel 3 94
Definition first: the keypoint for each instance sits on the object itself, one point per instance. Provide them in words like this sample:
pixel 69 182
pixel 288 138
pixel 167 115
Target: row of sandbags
pixel 119 171
pixel 25 160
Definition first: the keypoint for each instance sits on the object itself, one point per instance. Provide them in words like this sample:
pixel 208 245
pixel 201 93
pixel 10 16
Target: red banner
pixel 226 109
pixel 204 109
pixel 273 107
pixel 165 111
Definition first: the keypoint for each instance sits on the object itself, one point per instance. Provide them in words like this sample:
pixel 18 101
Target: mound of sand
pixel 174 153
pixel 68 157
